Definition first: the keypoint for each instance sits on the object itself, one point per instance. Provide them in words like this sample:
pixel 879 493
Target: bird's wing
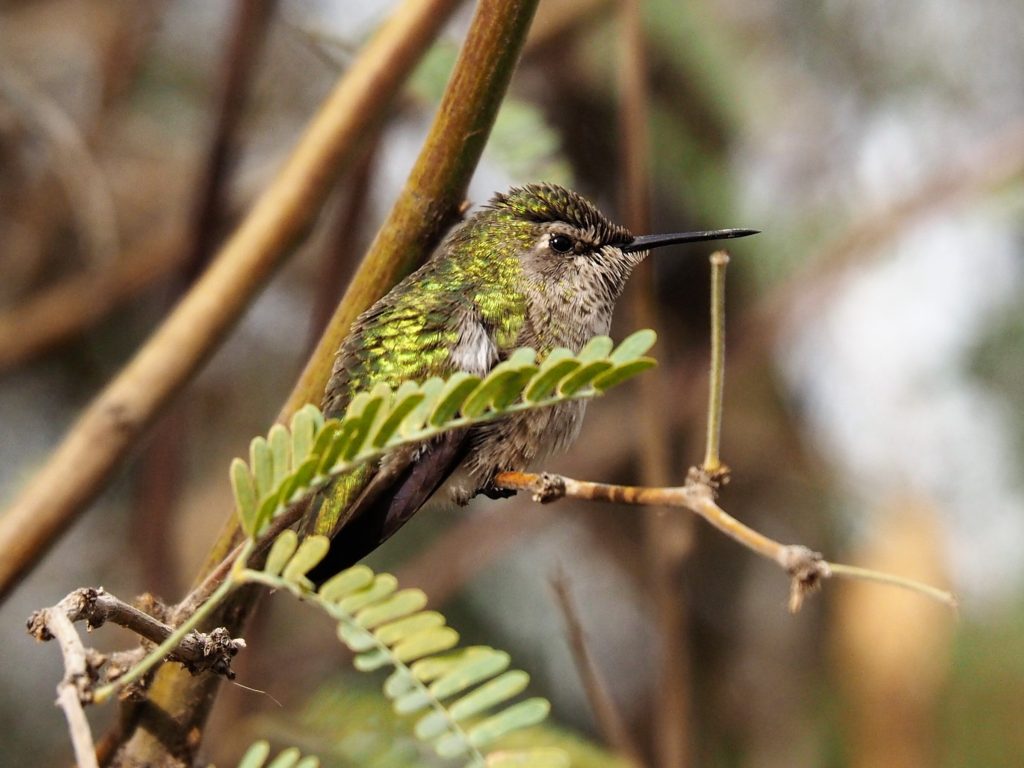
pixel 397 341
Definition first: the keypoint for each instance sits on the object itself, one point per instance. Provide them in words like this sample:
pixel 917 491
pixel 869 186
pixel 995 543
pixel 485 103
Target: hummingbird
pixel 539 266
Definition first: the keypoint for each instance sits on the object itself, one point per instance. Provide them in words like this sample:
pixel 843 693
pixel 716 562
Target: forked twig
pixel 807 569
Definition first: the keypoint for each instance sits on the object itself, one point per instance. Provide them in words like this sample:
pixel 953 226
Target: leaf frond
pixel 464 699
pixel 291 463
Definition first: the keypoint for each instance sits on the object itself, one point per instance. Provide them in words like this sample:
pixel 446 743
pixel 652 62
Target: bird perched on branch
pixel 539 266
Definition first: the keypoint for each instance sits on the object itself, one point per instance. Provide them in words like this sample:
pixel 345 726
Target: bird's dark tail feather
pixel 384 508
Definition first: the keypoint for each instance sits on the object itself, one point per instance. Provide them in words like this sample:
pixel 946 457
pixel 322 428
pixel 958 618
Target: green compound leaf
pixel 486 696
pixel 395 607
pixel 262 463
pixel 597 348
pixel 281 450
pixel 389 634
pixel 521 715
pixel 345 583
pixel 469 672
pixel 404 406
pixel 287 758
pixel 387 628
pixel 256 757
pixel 289 465
pixel 551 374
pixel 383 585
pixel 582 377
pixel 305 423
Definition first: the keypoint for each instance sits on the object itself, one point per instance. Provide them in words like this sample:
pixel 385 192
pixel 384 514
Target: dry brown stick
pixel 75 686
pixel 609 721
pixel 806 568
pixel 81 465
pixel 198 652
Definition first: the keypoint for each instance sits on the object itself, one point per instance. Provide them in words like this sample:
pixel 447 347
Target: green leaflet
pixel 633 346
pixel 281 552
pixel 452 397
pixel 310 551
pixel 244 488
pixel 256 757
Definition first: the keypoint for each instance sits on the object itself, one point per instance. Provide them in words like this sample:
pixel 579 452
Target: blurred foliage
pixel 998 360
pixel 349 725
pixel 980 711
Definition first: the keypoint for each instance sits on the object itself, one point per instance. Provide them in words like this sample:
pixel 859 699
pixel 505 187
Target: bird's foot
pixel 494 492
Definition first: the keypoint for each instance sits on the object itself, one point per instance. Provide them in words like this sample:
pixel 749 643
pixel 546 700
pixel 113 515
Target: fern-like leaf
pixel 290 464
pixel 464 699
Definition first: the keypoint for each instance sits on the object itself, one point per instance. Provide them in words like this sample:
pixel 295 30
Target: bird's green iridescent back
pixel 412 333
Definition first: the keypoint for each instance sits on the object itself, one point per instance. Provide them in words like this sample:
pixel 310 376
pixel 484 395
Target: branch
pixel 198 651
pixel 806 568
pixel 76 686
pixel 716 378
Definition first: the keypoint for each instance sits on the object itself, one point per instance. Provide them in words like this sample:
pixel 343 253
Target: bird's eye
pixel 560 243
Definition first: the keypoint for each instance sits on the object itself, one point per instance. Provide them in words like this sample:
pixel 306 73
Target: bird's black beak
pixel 646 242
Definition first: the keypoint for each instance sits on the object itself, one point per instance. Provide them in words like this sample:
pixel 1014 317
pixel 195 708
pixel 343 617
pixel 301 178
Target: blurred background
pixel 874 391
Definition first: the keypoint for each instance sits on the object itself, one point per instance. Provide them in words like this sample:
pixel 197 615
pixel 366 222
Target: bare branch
pixel 198 651
pixel 716 377
pixel 79 674
pixel 807 569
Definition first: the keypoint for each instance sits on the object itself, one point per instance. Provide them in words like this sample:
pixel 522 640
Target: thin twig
pixel 716 378
pixel 806 568
pixel 609 720
pixel 75 687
